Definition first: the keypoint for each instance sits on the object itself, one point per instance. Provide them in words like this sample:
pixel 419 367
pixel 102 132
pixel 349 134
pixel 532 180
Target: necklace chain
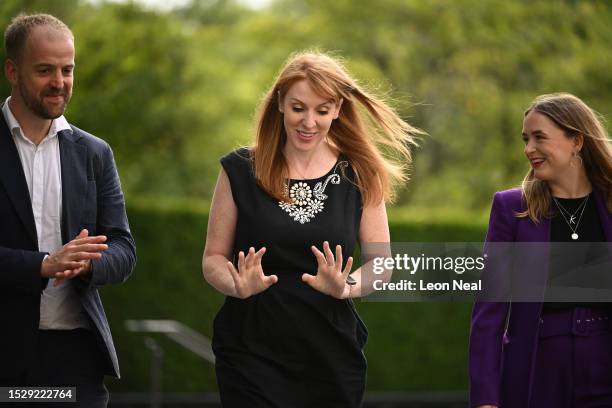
pixel 299 173
pixel 571 215
pixel 565 214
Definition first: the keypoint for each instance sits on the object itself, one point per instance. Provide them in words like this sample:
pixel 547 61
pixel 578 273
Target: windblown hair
pixel 16 34
pixel 359 134
pixel 575 118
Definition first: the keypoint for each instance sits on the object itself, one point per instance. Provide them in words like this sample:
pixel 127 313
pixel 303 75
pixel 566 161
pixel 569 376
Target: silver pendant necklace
pixel 570 218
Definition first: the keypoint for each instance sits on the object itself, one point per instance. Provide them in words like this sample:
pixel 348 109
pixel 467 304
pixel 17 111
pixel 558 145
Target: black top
pixel 587 225
pixel 291 345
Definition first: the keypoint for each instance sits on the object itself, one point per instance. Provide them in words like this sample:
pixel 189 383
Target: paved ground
pixel 450 399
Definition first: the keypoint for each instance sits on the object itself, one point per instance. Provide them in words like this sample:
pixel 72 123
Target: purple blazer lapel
pixel 524 322
pixel 528 231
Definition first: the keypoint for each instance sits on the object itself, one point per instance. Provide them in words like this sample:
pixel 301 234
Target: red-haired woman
pixel 285 216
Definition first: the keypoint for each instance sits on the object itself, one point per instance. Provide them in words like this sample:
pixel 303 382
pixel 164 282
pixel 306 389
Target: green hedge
pixel 412 346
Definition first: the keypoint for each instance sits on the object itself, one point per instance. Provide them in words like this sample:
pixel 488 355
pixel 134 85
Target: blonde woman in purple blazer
pixel 541 354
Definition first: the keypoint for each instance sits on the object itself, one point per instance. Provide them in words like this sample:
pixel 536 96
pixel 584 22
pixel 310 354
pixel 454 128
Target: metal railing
pixel 183 335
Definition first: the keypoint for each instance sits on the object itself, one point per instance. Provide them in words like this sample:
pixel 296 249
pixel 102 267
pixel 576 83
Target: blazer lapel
pixel 519 361
pixel 539 232
pixel 74 182
pixel 13 179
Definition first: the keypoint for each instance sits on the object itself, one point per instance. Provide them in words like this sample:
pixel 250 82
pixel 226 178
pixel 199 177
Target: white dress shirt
pixel 60 307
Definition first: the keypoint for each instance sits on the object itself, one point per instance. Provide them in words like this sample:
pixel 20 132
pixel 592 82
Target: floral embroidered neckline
pixel 304 203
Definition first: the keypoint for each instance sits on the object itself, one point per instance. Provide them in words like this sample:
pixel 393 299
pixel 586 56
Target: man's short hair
pixel 21 26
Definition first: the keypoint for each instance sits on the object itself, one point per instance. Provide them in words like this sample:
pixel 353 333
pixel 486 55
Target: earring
pixel 575 156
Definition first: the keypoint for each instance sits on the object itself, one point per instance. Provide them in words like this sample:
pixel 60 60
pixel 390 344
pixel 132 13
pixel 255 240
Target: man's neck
pixel 33 127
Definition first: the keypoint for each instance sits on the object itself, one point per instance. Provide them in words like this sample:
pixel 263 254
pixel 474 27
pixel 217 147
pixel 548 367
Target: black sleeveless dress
pixel 291 346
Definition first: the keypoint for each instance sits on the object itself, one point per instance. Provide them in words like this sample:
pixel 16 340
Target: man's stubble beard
pixel 37 105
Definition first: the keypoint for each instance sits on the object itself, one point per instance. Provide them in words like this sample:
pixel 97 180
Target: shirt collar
pixel 57 125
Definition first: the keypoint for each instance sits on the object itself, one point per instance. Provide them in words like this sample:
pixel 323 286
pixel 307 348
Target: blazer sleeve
pixel 489 318
pixel 20 270
pixel 119 259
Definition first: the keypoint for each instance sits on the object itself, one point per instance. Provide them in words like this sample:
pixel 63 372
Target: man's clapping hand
pixel 74 258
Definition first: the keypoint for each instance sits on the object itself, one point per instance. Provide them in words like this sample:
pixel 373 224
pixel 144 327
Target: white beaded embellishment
pixel 304 204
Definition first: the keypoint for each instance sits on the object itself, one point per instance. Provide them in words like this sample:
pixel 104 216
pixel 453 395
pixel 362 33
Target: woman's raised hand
pixel 249 279
pixel 330 278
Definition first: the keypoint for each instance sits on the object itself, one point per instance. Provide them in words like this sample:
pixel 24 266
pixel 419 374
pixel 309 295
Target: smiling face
pixel 548 149
pixel 307 116
pixel 42 78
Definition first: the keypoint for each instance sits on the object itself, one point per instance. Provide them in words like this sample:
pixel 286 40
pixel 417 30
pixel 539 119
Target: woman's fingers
pixel 241 261
pixel 249 257
pixel 347 268
pixel 270 280
pixel 339 258
pixel 319 255
pixel 258 255
pixel 329 256
pixel 237 274
pixel 308 278
pixel 233 272
pixel 249 277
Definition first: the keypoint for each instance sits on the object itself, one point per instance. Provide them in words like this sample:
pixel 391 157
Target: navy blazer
pixel 92 199
pixel 503 338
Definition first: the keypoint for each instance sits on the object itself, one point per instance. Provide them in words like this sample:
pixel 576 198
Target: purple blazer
pixel 503 336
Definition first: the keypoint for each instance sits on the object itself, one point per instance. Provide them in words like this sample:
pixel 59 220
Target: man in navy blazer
pixel 64 232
